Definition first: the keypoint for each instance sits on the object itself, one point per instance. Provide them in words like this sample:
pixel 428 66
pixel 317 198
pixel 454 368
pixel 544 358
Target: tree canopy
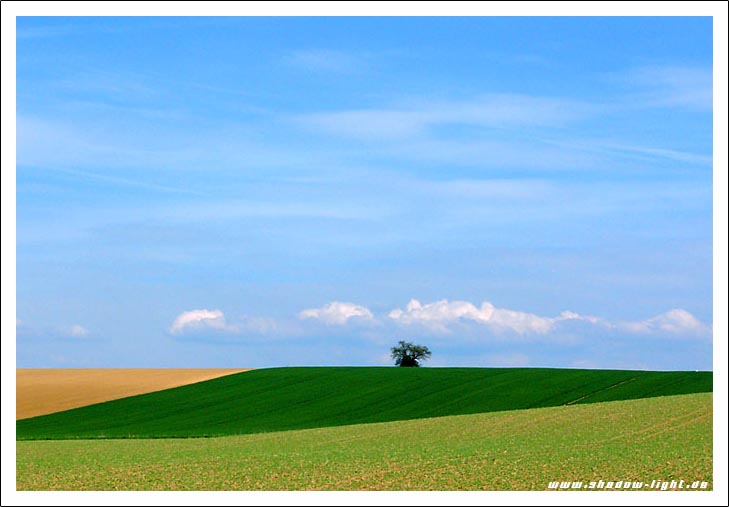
pixel 409 354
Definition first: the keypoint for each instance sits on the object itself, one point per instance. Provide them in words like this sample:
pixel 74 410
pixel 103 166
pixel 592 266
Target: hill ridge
pixel 278 399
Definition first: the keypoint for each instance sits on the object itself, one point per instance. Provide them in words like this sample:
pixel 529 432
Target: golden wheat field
pixel 42 391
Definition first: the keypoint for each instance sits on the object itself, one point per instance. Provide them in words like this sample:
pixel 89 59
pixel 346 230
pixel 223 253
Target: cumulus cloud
pixel 197 320
pixel 441 316
pixel 675 322
pixel 338 313
pixel 438 315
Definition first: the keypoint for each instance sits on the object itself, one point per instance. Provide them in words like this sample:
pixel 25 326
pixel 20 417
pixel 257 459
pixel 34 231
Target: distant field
pixel 48 390
pixel 665 438
pixel 299 398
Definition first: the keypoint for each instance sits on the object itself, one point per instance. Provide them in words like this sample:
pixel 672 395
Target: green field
pixel 663 438
pixel 298 398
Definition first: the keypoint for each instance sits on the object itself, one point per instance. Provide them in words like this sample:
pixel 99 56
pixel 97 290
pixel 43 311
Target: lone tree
pixel 409 354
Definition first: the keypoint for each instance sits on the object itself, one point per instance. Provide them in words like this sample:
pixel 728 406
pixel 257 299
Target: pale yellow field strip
pixel 42 391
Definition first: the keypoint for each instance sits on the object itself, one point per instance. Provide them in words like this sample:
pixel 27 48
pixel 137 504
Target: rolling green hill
pixel 278 399
pixel 663 439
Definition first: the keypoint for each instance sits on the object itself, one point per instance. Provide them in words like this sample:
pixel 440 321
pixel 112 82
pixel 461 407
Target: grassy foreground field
pixel 46 390
pixel 298 398
pixel 663 439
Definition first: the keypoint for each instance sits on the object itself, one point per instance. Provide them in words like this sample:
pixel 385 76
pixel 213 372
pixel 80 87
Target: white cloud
pixel 672 86
pixel 368 124
pixel 195 320
pixel 674 322
pixel 337 312
pixel 56 144
pixel 325 60
pixel 78 331
pixel 441 316
pixel 438 315
pixel 492 110
pixel 648 153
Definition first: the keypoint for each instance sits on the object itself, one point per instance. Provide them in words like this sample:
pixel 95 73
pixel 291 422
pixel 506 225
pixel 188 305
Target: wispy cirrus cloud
pixel 29 30
pixel 72 332
pixel 130 86
pixel 669 86
pixel 493 153
pixel 338 313
pixel 42 32
pixel 491 110
pixel 326 60
pixel 618 150
pixel 103 145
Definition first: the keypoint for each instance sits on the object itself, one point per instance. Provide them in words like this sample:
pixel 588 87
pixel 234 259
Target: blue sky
pixel 251 192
